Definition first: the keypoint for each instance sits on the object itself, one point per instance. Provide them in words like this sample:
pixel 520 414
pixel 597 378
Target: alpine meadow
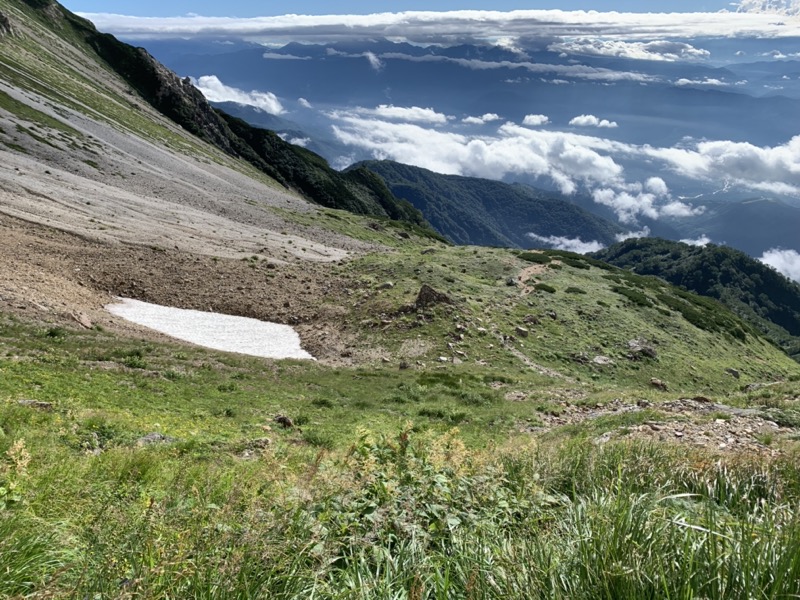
pixel 555 334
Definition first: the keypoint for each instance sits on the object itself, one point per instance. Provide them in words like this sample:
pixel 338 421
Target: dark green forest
pixel 470 210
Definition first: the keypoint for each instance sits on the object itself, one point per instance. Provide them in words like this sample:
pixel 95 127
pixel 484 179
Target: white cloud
pixel 701 241
pixel 661 50
pixel 592 121
pixel 709 81
pixel 460 26
pixel 374 62
pixel 412 114
pixel 576 71
pixel 569 244
pixel 304 103
pixel 216 91
pixel 778 7
pixel 770 169
pixel 783 261
pixel 642 233
pixel 535 120
pixel 482 120
pixel 300 141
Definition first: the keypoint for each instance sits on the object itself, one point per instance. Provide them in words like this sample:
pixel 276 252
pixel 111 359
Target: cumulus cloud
pixel 535 120
pixel 412 114
pixel 569 244
pixel 661 50
pixel 773 169
pixel 592 121
pixel 216 91
pixel 568 160
pixel 452 27
pixel 777 7
pixel 482 120
pixel 783 261
pixel 304 103
pixel 701 241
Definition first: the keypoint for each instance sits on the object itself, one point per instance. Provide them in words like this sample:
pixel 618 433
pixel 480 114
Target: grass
pixel 371 493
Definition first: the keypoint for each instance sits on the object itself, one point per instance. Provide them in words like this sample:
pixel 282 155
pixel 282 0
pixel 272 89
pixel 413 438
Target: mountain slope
pixel 181 102
pixel 754 291
pixel 470 210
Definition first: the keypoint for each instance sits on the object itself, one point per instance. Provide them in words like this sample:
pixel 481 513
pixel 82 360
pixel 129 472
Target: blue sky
pixel 247 8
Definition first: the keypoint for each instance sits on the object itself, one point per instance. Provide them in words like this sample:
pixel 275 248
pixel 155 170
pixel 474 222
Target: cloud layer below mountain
pixel 574 162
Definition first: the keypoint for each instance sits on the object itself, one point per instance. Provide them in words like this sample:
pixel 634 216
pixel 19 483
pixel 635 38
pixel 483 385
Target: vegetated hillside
pixel 470 210
pixel 753 290
pixel 597 409
pixel 179 100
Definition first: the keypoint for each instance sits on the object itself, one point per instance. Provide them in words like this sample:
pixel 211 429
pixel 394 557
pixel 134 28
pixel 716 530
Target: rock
pixel 658 384
pixel 552 314
pixel 428 296
pixel 733 373
pixel 531 320
pixel 154 438
pixel 284 421
pixel 602 360
pixel 640 349
pixel 522 331
pixel 386 286
pixel 511 282
pixel 82 320
pixel 443 359
pixel 37 404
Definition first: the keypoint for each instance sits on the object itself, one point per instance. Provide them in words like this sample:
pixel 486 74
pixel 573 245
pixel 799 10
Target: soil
pixel 51 276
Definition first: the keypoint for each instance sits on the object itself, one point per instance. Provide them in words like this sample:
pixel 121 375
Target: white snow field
pixel 214 330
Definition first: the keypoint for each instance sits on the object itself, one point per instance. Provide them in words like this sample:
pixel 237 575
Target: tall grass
pixel 408 517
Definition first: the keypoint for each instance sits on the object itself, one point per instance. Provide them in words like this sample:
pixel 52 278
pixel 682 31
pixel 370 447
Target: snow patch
pixel 215 330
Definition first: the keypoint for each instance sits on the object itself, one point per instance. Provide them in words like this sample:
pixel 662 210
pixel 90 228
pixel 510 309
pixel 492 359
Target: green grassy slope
pixel 469 210
pixel 159 470
pixel 525 430
pixel 754 291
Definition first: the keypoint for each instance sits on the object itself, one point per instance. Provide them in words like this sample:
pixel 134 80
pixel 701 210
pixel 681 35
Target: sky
pixel 247 8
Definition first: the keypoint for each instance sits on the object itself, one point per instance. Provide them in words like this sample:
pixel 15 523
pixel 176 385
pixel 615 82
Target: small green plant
pixel 13 472
pixel 543 287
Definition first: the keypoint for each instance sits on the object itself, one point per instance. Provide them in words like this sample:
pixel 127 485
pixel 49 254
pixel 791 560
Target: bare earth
pixel 120 216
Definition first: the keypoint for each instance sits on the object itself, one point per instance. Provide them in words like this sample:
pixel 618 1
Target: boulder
pixel 658 384
pixel 428 296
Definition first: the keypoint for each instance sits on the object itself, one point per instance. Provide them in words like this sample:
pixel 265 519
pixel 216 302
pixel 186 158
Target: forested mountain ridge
pixel 471 210
pixel 753 290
